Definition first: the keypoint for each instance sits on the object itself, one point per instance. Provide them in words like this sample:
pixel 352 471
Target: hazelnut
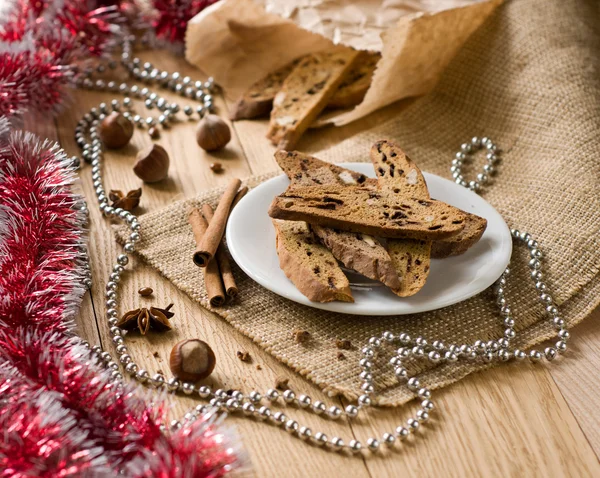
pixel 212 133
pixel 115 130
pixel 152 164
pixel 192 360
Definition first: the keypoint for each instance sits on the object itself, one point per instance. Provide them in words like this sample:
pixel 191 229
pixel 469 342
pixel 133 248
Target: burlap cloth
pixel 530 79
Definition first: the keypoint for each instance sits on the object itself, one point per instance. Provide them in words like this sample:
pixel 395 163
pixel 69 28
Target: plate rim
pixel 336 305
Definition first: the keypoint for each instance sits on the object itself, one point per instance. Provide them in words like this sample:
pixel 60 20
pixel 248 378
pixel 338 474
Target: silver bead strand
pixel 465 155
pixel 252 404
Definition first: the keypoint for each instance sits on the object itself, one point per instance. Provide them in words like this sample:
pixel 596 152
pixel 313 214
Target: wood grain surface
pixel 513 420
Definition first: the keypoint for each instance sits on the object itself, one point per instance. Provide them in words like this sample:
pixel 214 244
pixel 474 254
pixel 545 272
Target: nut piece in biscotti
pixel 454 246
pixel 397 173
pixel 353 89
pixel 360 252
pixel 306 92
pixel 362 209
pixel 258 100
pixel 309 265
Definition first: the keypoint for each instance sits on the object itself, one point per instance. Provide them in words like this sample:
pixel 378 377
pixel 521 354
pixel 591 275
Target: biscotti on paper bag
pixel 257 101
pixel 238 42
pixel 305 93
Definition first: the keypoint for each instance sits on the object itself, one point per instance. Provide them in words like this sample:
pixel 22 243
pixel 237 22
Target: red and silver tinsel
pixel 62 413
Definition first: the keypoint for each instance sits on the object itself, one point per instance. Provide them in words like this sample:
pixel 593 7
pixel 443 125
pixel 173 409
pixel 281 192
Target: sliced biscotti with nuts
pixel 305 92
pixel 353 89
pixel 310 265
pixel 258 100
pixel 454 246
pixel 398 174
pixel 361 209
pixel 360 252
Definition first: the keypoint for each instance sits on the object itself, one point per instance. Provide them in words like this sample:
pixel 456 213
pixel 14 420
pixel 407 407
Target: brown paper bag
pixel 240 41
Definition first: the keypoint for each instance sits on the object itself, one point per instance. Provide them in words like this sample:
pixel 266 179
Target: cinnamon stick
pixel 212 275
pixel 222 259
pixel 240 194
pixel 214 233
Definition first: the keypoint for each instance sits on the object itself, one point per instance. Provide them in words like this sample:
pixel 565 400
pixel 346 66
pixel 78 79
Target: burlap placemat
pixel 529 78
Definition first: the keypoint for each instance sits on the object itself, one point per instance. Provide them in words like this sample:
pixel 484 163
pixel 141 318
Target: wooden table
pixel 509 421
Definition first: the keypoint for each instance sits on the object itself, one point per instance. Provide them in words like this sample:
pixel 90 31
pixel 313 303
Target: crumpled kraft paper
pixel 240 41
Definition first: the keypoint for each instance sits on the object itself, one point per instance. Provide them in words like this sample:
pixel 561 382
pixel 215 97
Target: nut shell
pixel 115 131
pixel 212 133
pixel 192 360
pixel 152 164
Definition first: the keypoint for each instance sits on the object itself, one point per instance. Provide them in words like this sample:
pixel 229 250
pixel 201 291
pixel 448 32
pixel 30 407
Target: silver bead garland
pixel 401 346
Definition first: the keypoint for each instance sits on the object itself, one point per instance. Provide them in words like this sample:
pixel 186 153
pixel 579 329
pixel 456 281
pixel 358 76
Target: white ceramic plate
pixel 251 240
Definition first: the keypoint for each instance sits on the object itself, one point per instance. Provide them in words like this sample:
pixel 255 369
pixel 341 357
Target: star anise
pixel 128 202
pixel 145 319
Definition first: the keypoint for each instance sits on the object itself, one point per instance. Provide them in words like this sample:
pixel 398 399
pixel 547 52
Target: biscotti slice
pixel 356 251
pixel 397 173
pixel 360 252
pixel 305 170
pixel 353 89
pixel 309 265
pixel 361 209
pixel 305 92
pixel 454 246
pixel 258 100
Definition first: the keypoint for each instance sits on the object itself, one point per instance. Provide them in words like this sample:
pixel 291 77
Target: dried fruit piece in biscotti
pixel 453 246
pixel 353 89
pixel 305 92
pixel 397 173
pixel 258 100
pixel 309 265
pixel 361 209
pixel 360 252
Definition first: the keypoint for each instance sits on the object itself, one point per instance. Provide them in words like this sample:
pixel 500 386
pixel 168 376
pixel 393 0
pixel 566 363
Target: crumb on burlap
pixel 160 372
pixel 258 367
pixel 156 355
pixel 341 356
pixel 244 356
pixel 282 383
pixel 343 344
pixel 301 336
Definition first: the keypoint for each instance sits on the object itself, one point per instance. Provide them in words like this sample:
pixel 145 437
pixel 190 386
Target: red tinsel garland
pixel 169 18
pixel 42 44
pixel 61 414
